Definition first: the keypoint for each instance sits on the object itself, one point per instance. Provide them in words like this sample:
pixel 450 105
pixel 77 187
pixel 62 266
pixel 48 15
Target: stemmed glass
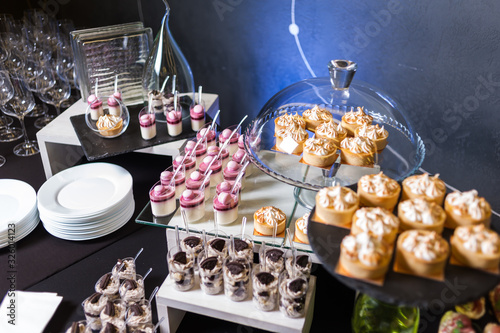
pixel 60 92
pixel 7 134
pixel 18 106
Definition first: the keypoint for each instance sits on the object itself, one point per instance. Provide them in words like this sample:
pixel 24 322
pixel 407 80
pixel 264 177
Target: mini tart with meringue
pixel 320 152
pixel 288 119
pixel 358 151
pixel 267 218
pixel 476 246
pixel 466 208
pixel 336 205
pixel 378 190
pixel 301 228
pixel 354 119
pixel 294 132
pixel 109 125
pixel 421 214
pixel 376 133
pixel 422 252
pixel 331 130
pixel 364 256
pixel 424 186
pixel 376 221
pixel 315 116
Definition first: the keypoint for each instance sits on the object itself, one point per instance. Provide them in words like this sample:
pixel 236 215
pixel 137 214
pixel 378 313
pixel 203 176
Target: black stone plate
pixel 461 284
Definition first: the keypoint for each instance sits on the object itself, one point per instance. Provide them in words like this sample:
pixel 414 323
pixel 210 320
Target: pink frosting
pixel 174 117
pixel 147 120
pixel 210 136
pixel 232 170
pixel 189 163
pixel 117 95
pixel 112 101
pixel 200 150
pixel 226 134
pixel 214 150
pixel 225 201
pixel 195 181
pixel 197 112
pixel 239 155
pixel 226 186
pixel 96 104
pixel 166 177
pixel 91 99
pixel 216 166
pixel 191 198
pixel 161 193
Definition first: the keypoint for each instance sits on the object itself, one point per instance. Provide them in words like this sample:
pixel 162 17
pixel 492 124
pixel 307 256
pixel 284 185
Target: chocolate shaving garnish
pixel 235 267
pixel 74 327
pixel 209 263
pixel 180 257
pixel 265 278
pixel 130 284
pixel 263 294
pixel 240 245
pixel 218 244
pixel 302 260
pixel 136 310
pixel 109 309
pixel 105 280
pixel 110 328
pixel 274 255
pixel 95 298
pixel 192 241
pixel 296 285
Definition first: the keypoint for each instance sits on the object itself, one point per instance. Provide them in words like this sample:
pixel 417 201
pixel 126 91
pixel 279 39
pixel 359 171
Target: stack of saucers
pixel 87 201
pixel 18 212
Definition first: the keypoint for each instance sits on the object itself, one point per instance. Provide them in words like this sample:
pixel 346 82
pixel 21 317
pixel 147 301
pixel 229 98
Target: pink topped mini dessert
pixel 197 113
pixel 114 107
pixel 231 172
pixel 232 146
pixel 180 180
pixel 201 151
pixel 193 204
pixel 174 123
pixel 214 151
pixel 215 166
pixel 226 186
pixel 195 182
pixel 162 199
pixel 147 122
pixel 189 164
pixel 226 208
pixel 96 109
pixel 210 136
pixel 241 157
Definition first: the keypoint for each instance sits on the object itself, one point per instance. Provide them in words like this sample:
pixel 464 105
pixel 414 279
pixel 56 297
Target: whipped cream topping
pixel 421 211
pixel 290 119
pixel 477 238
pixel 295 131
pixel 376 220
pixel 379 184
pixel 108 121
pixel 425 246
pixel 302 223
pixel 359 145
pixel 331 129
pixel 367 249
pixel 320 146
pixel 358 117
pixel 337 197
pixel 374 132
pixel 316 113
pixel 424 184
pixel 468 203
pixel 270 215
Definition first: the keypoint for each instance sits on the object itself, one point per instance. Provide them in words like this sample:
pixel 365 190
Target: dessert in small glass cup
pixel 147 123
pixel 424 186
pixel 200 150
pixel 124 268
pixel 115 327
pixel 79 327
pixel 108 285
pixel 96 108
pixel 189 163
pixel 181 268
pixel 162 199
pixel 132 290
pixel 197 115
pixel 265 289
pixel 224 155
pixel 114 313
pixel 174 122
pixel 225 207
pixel 243 247
pixel 193 204
pixel 138 315
pixel 180 178
pixel 107 125
pixel 215 165
pixel 353 119
pixel 217 243
pixel 292 294
pixel 272 259
pixel 227 186
pixel 114 106
pixel 193 245
pixel 466 208
pixel 231 172
pixel 196 181
pixel 237 273
pixel 232 145
pixel 241 157
pixel 92 307
pixel 209 133
pixel 378 190
pixel 211 275
pixel 303 264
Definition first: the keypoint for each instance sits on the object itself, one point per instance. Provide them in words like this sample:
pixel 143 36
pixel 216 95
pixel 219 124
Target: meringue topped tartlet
pixel 291 139
pixel 376 221
pixel 354 119
pixel 301 228
pixel 376 133
pixel 424 186
pixel 320 152
pixel 378 190
pixel 109 125
pixel 336 205
pixel 288 119
pixel 466 208
pixel 316 116
pixel 476 246
pixel 266 219
pixel 421 214
pixel 358 151
pixel 331 130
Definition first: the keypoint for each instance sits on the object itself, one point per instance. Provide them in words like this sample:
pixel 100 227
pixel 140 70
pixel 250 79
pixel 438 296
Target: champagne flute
pixel 7 134
pixel 18 106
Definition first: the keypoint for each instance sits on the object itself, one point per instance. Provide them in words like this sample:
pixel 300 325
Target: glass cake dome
pixel 339 94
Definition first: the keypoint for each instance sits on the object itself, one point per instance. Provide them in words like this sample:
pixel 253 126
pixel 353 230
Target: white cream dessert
pixel 358 151
pixel 92 307
pixel 114 107
pixel 109 125
pixel 192 245
pixel 216 176
pixel 237 279
pixel 336 205
pixel 162 200
pixel 293 291
pixel 224 156
pixel 174 123
pixel 138 314
pixel 466 208
pixel 231 172
pixel 272 260
pixel 244 248
pixel 331 130
pixel 226 208
pixel 200 153
pixel 354 119
pixel 132 290
pixel 158 100
pixel 217 246
pixel 291 139
pixel 181 269
pixel 476 246
pixel 96 109
pixel 114 313
pixel 108 285
pixel 376 221
pixel 320 152
pixel 419 213
pixel 303 265
pixel 124 268
pixel 179 183
pixel 197 182
pixel 197 113
pixel 265 290
pixel 147 123
pixel 193 204
pixel 424 186
pixel 378 190
pixel 315 116
pixel 376 133
pixel 209 134
pixel 288 119
pixel 211 276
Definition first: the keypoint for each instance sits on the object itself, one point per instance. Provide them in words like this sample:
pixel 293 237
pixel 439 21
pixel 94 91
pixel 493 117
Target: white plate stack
pixel 18 212
pixel 87 201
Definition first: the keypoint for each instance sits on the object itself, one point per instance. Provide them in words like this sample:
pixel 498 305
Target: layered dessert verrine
pixel 209 134
pixel 198 182
pixel 424 186
pixel 378 190
pixel 237 278
pixel 162 199
pixel 225 208
pixel 132 290
pixel 232 145
pixel 189 163
pixel 147 123
pixel 227 186
pixel 265 290
pixel 272 259
pixel 224 155
pixel 466 208
pixel 232 171
pixel 180 179
pixel 211 276
pixel 108 286
pixel 114 107
pixel 181 268
pixel 355 119
pixel 193 204
pixel 199 153
pixel 197 114
pixel 215 166
pixel 92 307
pixel 174 123
pixel 96 108
pixel 336 205
pixel 293 291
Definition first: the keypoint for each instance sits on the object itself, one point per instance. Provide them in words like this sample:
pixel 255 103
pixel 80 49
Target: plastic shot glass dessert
pixel 225 207
pixel 162 199
pixel 92 307
pixel 132 290
pixel 231 172
pixel 265 289
pixel 272 259
pixel 108 285
pixel 193 204
pixel 217 245
pixel 224 156
pixel 138 315
pixel 226 186
pixel 180 179
pixel 96 108
pixel 240 157
pixel 188 162
pixel 211 135
pixel 114 327
pixel 215 166
pixel 79 327
pixel 114 313
pixel 147 122
pixel 210 271
pixel 232 146
pixel 237 278
pixel 293 292
pixel 124 268
pixel 200 152
pixel 197 114
pixel 197 181
pixel 303 264
pixel 114 107
pixel 181 268
pixel 243 248
pixel 194 245
pixel 174 123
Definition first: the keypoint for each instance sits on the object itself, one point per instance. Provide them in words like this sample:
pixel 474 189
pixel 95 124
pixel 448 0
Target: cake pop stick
pixel 164 84
pixel 212 125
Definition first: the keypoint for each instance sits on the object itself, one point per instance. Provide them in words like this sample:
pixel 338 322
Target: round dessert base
pixel 267 230
pixel 29 148
pixel 405 224
pixel 473 259
pixel 361 159
pixel 320 161
pixel 453 221
pixel 350 128
pixel 337 141
pixel 302 237
pixel 361 271
pixel 10 134
pixel 371 200
pixel 335 217
pixel 409 262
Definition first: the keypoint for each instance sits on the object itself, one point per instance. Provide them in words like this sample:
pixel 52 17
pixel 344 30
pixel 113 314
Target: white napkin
pixel 29 311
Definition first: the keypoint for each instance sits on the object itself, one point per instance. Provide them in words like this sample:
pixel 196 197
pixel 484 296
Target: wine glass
pixel 60 92
pixel 7 134
pixel 18 106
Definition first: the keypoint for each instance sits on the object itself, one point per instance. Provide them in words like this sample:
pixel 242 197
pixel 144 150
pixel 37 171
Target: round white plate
pixel 17 200
pixel 84 190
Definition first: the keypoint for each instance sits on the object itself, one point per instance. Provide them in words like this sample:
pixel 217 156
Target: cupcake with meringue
pixel 378 190
pixel 466 208
pixel 336 205
pixel 354 119
pixel 376 133
pixel 424 186
pixel 376 221
pixel 358 151
pixel 421 214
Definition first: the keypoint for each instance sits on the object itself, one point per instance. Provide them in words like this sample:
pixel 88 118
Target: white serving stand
pixel 173 304
pixel 61 149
